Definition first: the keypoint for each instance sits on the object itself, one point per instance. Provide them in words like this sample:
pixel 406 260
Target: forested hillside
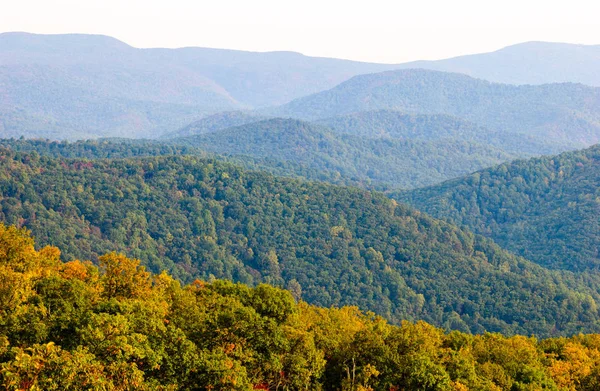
pixel 433 127
pixel 330 245
pixel 100 148
pixel 76 326
pixel 566 115
pixel 545 209
pixel 382 162
pixel 397 124
pixel 123 148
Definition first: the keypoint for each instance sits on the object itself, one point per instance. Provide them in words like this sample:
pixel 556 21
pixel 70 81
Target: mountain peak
pixel 18 40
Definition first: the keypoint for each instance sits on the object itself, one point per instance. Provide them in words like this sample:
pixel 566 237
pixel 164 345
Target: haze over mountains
pixel 86 86
pixel 73 86
pixel 526 63
pixel 566 115
pixel 314 151
pixel 216 122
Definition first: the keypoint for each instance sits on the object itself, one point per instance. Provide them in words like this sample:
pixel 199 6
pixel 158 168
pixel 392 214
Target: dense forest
pixel 201 218
pixel 125 148
pixel 100 149
pixel 115 326
pixel 545 209
pixel 382 162
pixel 301 150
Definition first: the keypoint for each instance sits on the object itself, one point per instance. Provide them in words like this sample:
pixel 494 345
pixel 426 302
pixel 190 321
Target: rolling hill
pixel 545 209
pixel 320 153
pixel 433 127
pixel 213 123
pixel 332 245
pixel 565 115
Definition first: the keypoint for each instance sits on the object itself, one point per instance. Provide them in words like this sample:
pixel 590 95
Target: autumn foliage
pixel 76 326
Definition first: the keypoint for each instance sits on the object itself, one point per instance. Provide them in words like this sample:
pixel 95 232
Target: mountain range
pixel 566 115
pixel 268 168
pixel 526 63
pixel 78 86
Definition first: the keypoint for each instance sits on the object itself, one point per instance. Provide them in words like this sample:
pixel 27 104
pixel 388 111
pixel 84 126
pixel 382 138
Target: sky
pixel 376 30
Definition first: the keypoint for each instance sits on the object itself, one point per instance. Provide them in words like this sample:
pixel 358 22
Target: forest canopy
pixel 332 245
pixel 115 326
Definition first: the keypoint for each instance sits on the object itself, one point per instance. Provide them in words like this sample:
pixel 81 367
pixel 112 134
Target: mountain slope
pixel 567 115
pixel 335 245
pixel 336 161
pixel 73 86
pixel 545 209
pixel 214 123
pixel 526 63
pixel 430 127
pixel 383 162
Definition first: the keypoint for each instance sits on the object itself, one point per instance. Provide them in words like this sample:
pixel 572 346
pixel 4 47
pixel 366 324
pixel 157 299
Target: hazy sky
pixel 375 30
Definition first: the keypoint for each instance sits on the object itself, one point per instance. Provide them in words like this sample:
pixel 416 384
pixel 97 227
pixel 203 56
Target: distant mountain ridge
pixel 79 86
pixel 215 122
pixel 567 115
pixel 526 63
pixel 428 127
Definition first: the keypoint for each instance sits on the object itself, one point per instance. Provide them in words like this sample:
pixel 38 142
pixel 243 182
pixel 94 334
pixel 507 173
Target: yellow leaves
pixel 458 386
pixel 50 253
pixel 575 364
pixel 370 371
pixel 197 285
pixel 562 373
pixel 124 277
pixel 4 345
pixel 14 289
pixel 164 286
pixel 75 270
pixel 16 249
pixel 338 231
pixel 332 326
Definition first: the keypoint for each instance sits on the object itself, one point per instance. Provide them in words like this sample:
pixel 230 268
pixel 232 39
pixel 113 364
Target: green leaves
pixel 150 333
pixel 331 245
